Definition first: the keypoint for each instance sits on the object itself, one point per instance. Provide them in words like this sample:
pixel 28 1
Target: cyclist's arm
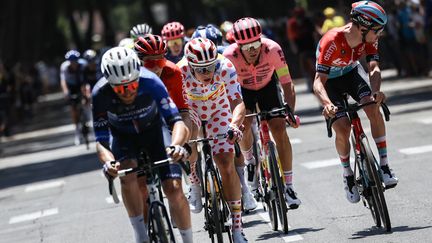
pixel 104 153
pixel 234 93
pixel 239 111
pixel 375 76
pixel 63 79
pixel 283 74
pixel 319 89
pixel 289 94
pixel 180 134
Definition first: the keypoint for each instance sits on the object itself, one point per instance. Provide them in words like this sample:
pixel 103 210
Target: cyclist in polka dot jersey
pixel 213 94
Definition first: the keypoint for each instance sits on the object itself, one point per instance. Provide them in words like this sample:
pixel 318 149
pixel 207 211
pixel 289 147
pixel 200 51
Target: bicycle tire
pixel 372 168
pixel 215 213
pixel 160 228
pixel 277 181
pixel 363 185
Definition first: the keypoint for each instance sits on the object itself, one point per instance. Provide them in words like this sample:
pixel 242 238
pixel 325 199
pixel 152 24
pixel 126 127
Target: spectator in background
pixel 300 32
pixel 6 89
pixel 418 24
pixel 332 20
pixel 392 39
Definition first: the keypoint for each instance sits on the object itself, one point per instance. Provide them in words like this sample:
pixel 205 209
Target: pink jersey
pixel 212 102
pixel 271 60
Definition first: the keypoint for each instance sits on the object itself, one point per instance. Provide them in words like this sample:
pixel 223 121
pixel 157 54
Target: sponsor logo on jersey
pixel 330 50
pixel 339 62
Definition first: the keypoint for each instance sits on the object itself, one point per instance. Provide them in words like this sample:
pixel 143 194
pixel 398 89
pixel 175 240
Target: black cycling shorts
pixel 153 142
pixel 353 83
pixel 268 97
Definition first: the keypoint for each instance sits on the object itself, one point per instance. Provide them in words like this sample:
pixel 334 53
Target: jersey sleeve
pixel 229 76
pixel 165 104
pixel 63 69
pixel 372 52
pixel 174 84
pixel 326 54
pixel 100 117
pixel 280 65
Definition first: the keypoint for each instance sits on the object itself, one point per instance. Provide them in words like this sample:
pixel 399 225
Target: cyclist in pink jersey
pixel 213 94
pixel 260 65
pixel 338 71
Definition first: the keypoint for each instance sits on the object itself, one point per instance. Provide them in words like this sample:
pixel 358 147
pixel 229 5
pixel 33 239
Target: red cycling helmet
pixel 173 30
pixel 246 30
pixel 150 45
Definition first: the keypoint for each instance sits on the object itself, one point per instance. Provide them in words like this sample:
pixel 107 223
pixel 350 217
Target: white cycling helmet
pixel 200 52
pixel 120 65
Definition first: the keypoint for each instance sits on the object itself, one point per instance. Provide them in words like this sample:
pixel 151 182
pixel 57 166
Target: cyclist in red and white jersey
pixel 213 94
pixel 260 65
pixel 338 71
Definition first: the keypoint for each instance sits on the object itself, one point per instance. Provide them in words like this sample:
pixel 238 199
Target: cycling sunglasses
pixel 378 31
pixel 151 63
pixel 121 88
pixel 249 46
pixel 205 70
pixel 175 42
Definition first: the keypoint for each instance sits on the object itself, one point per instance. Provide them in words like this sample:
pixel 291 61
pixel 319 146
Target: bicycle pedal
pixel 390 186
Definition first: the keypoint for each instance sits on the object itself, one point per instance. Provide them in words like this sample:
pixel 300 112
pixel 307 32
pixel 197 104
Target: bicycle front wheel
pixel 215 212
pixel 160 227
pixel 377 186
pixel 278 187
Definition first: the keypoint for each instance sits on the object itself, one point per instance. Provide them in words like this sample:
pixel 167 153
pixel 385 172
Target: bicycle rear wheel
pixel 377 186
pixel 278 187
pixel 160 225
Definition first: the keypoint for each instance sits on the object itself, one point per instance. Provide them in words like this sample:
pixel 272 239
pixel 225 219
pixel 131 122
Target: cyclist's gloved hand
pixel 177 152
pixel 379 97
pixel 293 124
pixel 235 134
pixel 110 170
pixel 329 111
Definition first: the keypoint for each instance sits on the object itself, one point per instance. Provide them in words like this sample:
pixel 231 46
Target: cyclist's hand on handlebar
pixel 293 124
pixel 111 170
pixel 379 97
pixel 235 133
pixel 177 152
pixel 329 111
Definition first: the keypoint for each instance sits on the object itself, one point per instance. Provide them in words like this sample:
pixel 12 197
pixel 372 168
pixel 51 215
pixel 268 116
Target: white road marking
pixel 426 121
pixel 321 163
pixel 290 237
pixel 416 150
pixel 43 186
pixel 42 132
pixel 33 216
pixel 110 200
pixel 295 141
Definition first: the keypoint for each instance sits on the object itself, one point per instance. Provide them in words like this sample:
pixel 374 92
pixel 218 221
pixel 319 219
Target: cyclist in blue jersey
pixel 74 86
pixel 132 110
pixel 174 35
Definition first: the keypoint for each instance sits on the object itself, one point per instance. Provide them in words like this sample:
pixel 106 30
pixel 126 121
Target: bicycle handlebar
pixel 265 115
pixel 122 173
pixel 354 108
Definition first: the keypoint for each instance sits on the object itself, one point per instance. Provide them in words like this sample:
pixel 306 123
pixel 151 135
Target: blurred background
pixel 35 35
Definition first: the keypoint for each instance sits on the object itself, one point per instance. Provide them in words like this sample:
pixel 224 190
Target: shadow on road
pixel 379 231
pixel 31 173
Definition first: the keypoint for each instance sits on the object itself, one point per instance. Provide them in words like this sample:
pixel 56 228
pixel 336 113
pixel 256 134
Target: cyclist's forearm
pixel 320 91
pixel 289 93
pixel 239 112
pixel 104 153
pixel 180 133
pixel 375 76
pixel 64 87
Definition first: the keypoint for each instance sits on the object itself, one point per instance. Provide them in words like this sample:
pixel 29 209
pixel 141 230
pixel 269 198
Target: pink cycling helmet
pixel 173 30
pixel 201 52
pixel 246 30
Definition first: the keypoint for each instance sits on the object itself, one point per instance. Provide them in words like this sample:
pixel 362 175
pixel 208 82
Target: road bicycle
pixel 160 228
pixel 271 183
pixel 366 167
pixel 84 111
pixel 216 210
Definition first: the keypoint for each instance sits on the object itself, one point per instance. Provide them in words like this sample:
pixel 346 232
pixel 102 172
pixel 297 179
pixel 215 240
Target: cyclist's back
pixel 172 78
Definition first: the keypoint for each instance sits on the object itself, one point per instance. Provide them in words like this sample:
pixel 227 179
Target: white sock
pixel 186 235
pixel 140 229
pixel 240 173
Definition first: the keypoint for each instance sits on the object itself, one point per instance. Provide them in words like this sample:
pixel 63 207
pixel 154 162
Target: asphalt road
pixel 52 191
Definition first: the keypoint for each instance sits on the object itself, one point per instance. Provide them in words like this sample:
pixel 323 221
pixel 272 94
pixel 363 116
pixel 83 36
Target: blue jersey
pixel 152 103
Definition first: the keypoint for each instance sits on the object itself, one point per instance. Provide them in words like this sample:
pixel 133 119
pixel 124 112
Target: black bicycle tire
pixel 215 207
pixel 163 228
pixel 277 180
pixel 367 191
pixel 207 224
pixel 373 170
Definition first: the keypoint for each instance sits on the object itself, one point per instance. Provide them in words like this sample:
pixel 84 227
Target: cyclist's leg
pixel 124 149
pixel 171 181
pixel 249 99
pixel 377 124
pixel 74 104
